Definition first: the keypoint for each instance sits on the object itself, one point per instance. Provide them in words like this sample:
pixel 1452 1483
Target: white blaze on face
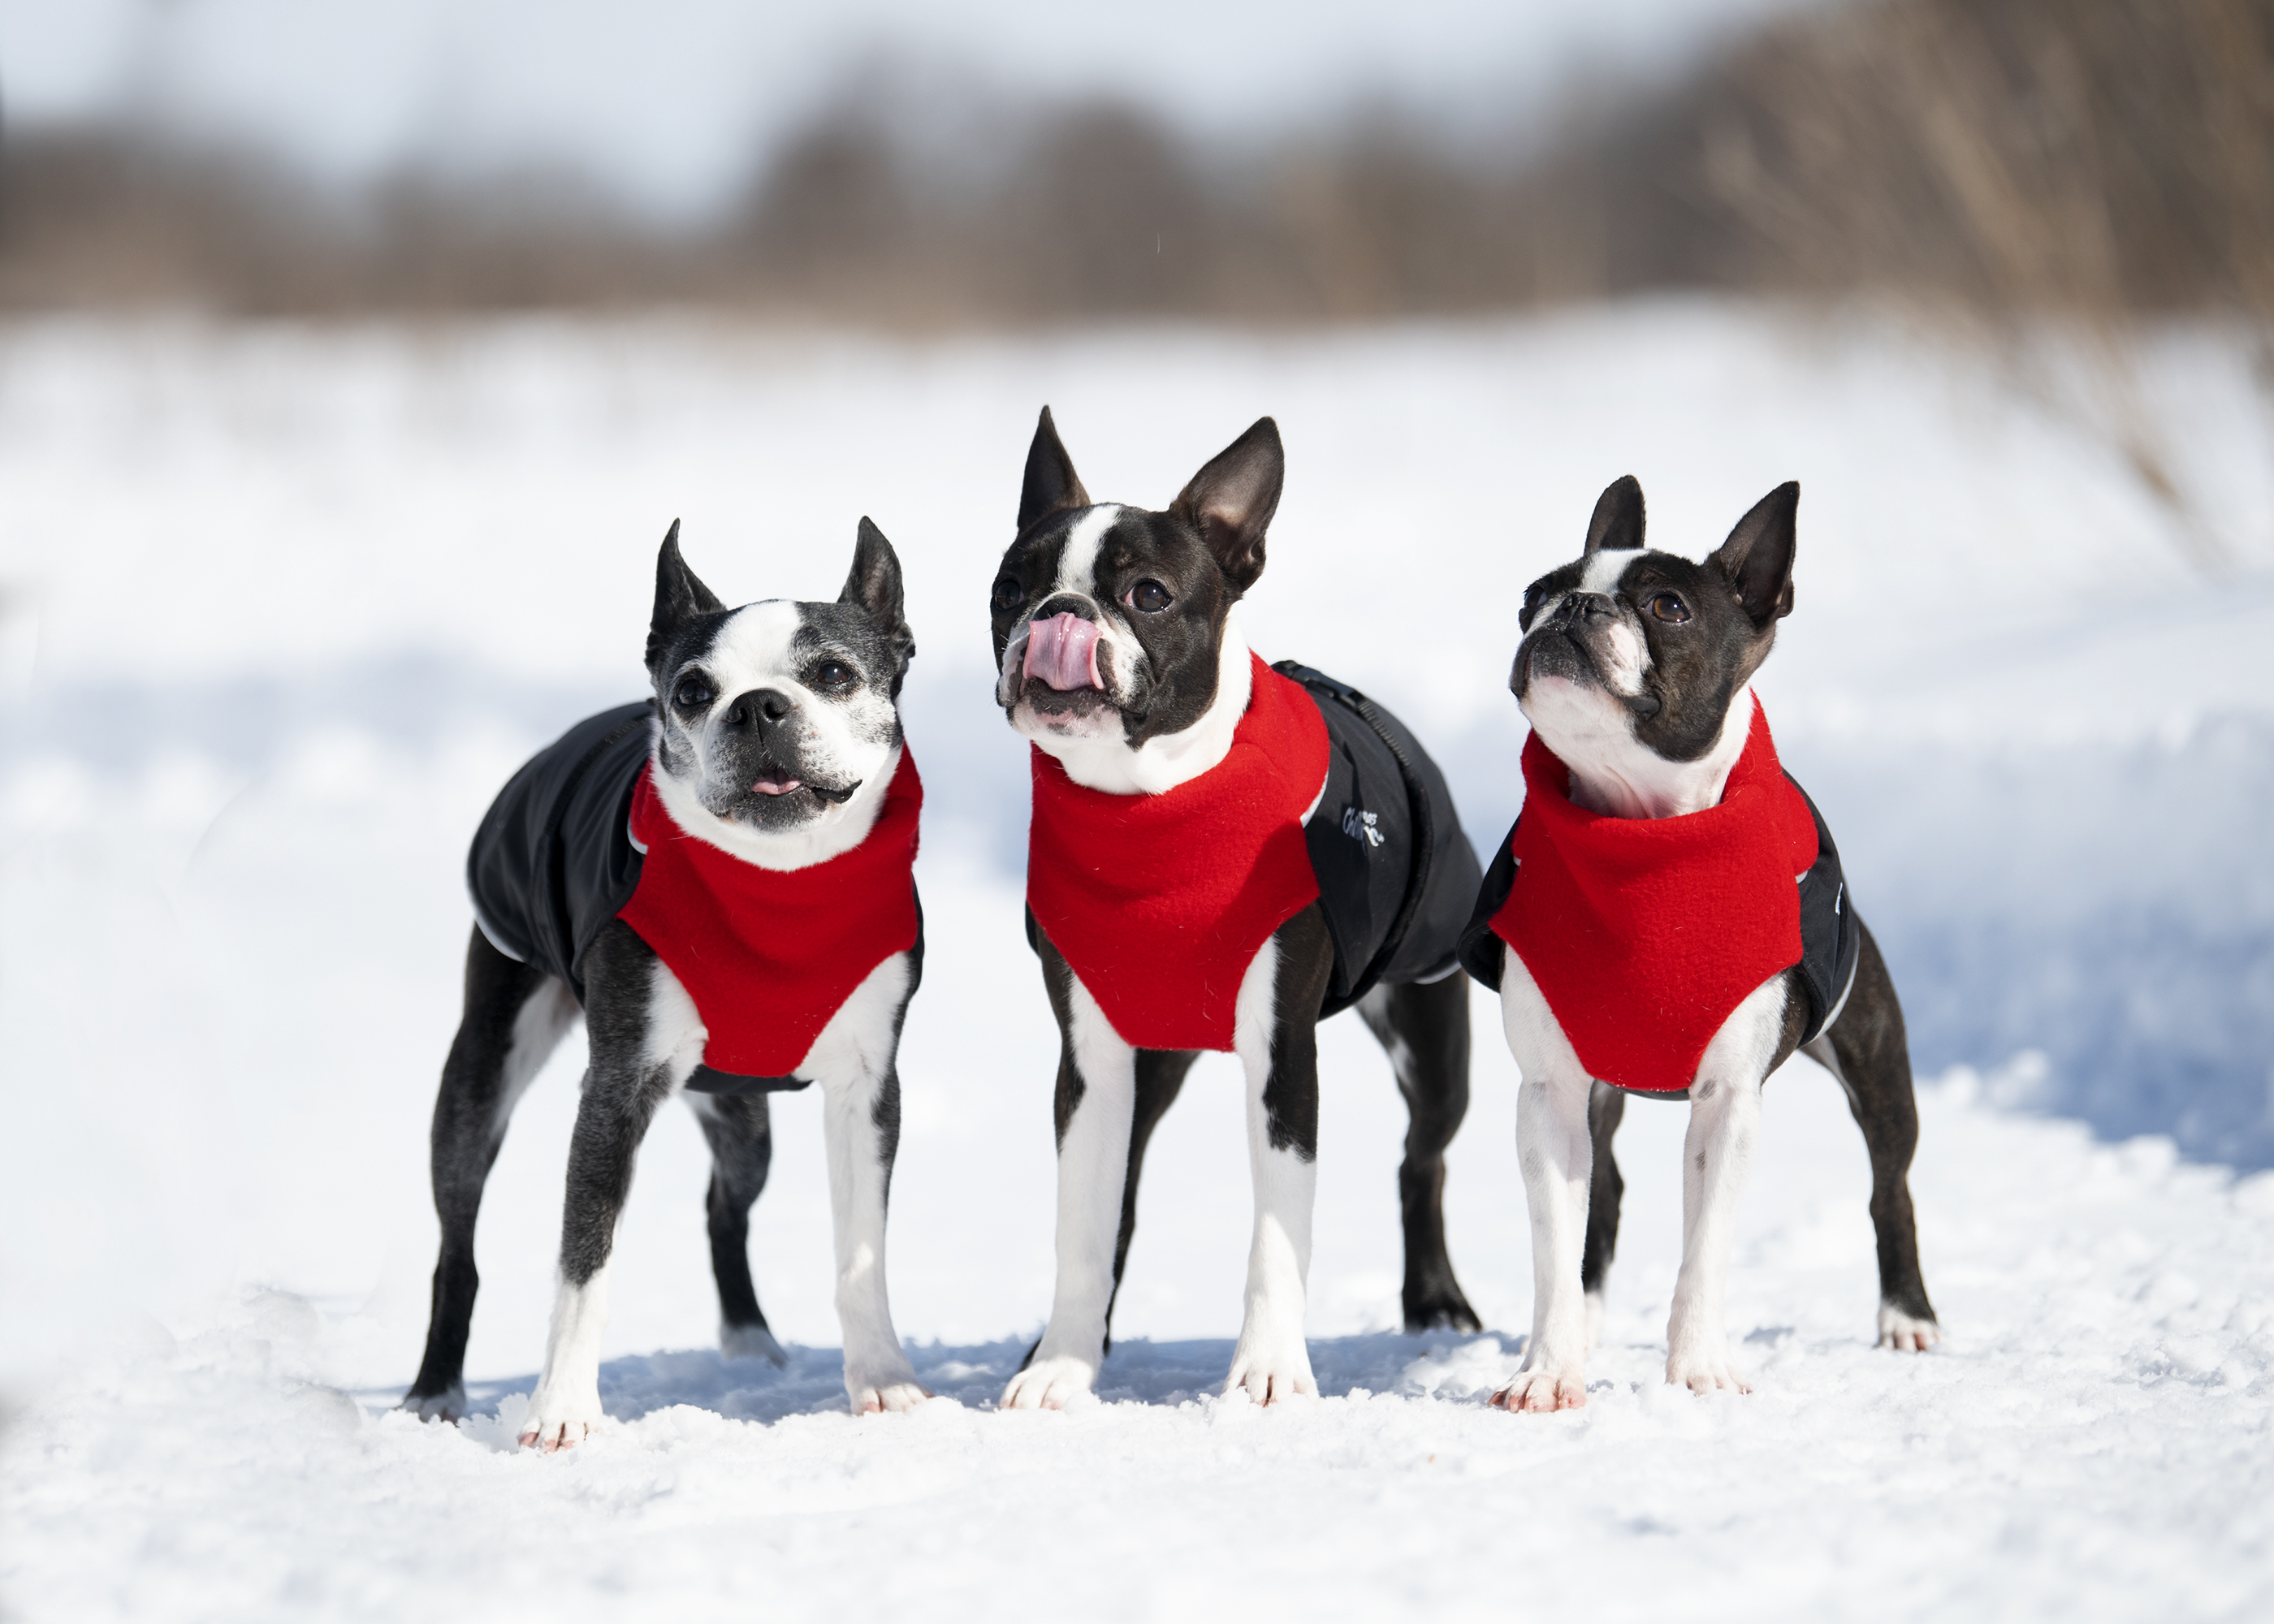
pixel 1620 653
pixel 1078 563
pixel 1117 652
pixel 1077 576
pixel 753 648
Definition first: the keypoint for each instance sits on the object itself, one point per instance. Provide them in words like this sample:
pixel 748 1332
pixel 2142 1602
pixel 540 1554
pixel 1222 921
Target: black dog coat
pixel 553 860
pixel 1397 877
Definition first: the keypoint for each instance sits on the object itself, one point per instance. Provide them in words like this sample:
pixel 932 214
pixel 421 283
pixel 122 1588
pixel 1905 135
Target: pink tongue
pixel 1062 652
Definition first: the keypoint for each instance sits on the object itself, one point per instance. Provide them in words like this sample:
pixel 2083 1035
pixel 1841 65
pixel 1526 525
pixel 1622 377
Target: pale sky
pixel 668 101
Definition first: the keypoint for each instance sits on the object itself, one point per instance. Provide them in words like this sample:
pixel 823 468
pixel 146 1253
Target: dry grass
pixel 2000 159
pixel 2004 161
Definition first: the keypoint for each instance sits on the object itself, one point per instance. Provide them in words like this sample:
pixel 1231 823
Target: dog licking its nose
pixel 1062 652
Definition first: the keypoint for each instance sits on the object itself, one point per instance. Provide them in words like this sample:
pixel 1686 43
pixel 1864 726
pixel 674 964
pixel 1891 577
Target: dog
pixel 718 879
pixel 1669 916
pixel 1222 853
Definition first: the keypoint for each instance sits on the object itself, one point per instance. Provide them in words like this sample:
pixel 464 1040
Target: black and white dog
pixel 1158 734
pixel 1635 672
pixel 768 767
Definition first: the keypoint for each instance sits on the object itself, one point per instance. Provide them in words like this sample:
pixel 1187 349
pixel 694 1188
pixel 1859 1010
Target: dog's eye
pixel 1148 597
pixel 1670 609
pixel 1008 593
pixel 692 694
pixel 1532 594
pixel 834 676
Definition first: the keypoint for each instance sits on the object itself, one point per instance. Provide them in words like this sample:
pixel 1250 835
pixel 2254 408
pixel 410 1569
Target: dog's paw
pixel 1272 1374
pixel 1441 1307
pixel 877 1397
pixel 1906 1332
pixel 1704 1370
pixel 447 1405
pixel 750 1342
pixel 556 1423
pixel 1539 1392
pixel 1050 1384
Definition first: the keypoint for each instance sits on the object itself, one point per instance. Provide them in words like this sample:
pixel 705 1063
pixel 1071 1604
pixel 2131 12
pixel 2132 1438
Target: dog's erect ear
pixel 1756 560
pixel 875 585
pixel 679 596
pixel 1231 501
pixel 1617 524
pixel 1052 484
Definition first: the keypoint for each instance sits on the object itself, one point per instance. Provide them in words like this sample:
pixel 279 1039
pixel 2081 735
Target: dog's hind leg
pixel 1866 1050
pixel 645 1039
pixel 515 1016
pixel 739 1129
pixel 1425 1028
pixel 1160 1077
pixel 1606 1108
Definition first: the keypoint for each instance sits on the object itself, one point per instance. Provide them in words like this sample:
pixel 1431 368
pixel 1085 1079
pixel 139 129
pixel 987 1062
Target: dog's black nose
pixel 761 707
pixel 1064 603
pixel 1588 606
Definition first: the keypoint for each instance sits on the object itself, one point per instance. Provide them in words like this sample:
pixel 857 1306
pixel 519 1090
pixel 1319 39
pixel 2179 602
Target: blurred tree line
pixel 2095 158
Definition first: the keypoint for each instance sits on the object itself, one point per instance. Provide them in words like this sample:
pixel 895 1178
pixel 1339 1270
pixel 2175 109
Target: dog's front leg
pixel 1558 1156
pixel 1717 1160
pixel 1096 1104
pixel 854 1061
pixel 645 1039
pixel 1276 1032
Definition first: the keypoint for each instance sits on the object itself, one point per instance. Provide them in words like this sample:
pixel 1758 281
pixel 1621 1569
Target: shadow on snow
pixel 1444 1364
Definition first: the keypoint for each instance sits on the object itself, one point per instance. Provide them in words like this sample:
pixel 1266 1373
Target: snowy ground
pixel 279 609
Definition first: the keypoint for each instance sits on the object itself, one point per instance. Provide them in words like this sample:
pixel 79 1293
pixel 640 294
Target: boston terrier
pixel 1221 853
pixel 1668 918
pixel 719 880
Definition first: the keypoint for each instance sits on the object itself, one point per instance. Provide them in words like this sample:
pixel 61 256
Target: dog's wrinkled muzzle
pixel 1062 652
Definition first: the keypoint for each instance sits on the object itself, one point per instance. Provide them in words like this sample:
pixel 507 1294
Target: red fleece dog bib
pixel 1161 902
pixel 1645 934
pixel 769 956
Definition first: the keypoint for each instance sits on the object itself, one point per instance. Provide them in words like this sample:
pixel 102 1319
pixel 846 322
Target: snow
pixel 280 608
pixel 2095 1442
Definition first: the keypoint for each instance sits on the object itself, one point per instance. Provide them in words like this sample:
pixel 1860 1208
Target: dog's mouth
pixel 1554 652
pixel 1043 700
pixel 1058 672
pixel 777 781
